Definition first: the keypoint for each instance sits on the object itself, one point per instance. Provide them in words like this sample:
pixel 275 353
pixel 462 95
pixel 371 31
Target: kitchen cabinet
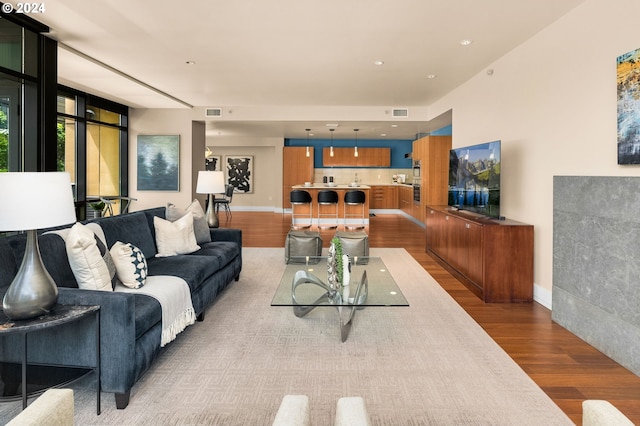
pixel 297 169
pixel 493 258
pixel 405 198
pixel 384 197
pixel 367 157
pixel 433 153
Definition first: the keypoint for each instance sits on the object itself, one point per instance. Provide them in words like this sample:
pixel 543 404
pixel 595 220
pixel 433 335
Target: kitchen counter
pixel 319 185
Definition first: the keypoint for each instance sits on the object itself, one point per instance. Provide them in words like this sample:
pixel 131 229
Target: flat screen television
pixel 474 178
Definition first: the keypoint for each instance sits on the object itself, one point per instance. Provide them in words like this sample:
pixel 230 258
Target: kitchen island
pixel 313 190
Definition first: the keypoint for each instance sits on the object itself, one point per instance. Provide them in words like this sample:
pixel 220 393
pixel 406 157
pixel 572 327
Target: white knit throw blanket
pixel 175 299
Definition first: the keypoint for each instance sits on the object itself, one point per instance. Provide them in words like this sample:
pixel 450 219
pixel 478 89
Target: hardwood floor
pixel 565 367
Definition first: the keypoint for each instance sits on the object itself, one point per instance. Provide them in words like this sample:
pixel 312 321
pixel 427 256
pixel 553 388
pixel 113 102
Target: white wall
pixel 552 102
pixel 267 169
pixel 162 122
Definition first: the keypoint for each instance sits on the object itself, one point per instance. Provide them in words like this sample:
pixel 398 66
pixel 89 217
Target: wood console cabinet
pixel 493 258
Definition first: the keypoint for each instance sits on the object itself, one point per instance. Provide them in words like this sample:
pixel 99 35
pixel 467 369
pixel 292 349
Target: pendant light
pixel 331 150
pixel 355 149
pixel 308 153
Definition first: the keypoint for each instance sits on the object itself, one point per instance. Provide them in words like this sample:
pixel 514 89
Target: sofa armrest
pixel 227 234
pixel 117 333
pixel 54 407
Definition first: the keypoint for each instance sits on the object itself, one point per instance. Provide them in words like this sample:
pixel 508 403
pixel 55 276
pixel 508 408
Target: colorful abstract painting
pixel 628 71
pixel 240 173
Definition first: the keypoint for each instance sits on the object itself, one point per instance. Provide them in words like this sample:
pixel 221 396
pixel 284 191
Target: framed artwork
pixel 158 163
pixel 240 173
pixel 213 163
pixel 628 69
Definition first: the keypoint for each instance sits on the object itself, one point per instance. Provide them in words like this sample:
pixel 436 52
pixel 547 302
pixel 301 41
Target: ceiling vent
pixel 213 112
pixel 400 112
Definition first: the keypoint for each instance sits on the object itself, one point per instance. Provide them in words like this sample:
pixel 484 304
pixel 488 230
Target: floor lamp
pixel 22 196
pixel 211 183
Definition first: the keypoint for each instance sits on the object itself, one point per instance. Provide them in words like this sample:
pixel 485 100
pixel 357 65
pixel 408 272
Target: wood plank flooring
pixel 565 367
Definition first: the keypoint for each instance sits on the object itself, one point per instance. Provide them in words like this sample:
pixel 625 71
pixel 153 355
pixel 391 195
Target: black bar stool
pixel 328 198
pixel 351 199
pixel 299 198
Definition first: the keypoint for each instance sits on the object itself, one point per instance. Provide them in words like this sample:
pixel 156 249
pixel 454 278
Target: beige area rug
pixel 427 364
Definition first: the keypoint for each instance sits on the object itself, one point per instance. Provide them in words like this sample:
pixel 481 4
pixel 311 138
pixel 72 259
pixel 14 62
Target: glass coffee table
pixel 304 287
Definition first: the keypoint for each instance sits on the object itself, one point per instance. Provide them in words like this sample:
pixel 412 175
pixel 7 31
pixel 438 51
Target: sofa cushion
pixel 131 265
pixel 174 238
pixel 223 251
pixel 129 228
pixel 90 260
pixel 191 268
pixel 200 226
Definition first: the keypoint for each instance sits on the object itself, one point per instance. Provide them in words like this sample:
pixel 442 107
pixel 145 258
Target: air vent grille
pixel 213 112
pixel 400 112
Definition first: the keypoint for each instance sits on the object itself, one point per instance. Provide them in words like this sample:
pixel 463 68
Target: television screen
pixel 474 178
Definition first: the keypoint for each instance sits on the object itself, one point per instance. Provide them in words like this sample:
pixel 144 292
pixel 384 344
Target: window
pixel 91 139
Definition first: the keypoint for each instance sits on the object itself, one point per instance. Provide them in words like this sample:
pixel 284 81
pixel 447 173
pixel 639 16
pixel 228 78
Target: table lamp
pixel 31 201
pixel 211 183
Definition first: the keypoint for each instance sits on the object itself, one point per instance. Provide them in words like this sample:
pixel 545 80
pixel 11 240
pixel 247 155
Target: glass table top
pixel 382 289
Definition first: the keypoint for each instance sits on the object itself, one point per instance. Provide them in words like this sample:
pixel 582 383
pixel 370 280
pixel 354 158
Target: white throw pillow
pixel 131 265
pixel 200 226
pixel 90 260
pixel 174 238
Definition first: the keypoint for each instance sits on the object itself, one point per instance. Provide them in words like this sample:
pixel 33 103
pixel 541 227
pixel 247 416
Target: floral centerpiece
pixel 338 268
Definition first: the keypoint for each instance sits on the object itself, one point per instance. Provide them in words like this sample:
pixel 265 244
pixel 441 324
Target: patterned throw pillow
pixel 90 260
pixel 131 265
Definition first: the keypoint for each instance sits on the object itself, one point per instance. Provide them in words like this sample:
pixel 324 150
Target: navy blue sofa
pixel 130 324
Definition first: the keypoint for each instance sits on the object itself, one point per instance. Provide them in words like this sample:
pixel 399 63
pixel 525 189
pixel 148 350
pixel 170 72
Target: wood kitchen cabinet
pixel 367 157
pixel 297 169
pixel 405 198
pixel 384 197
pixel 433 154
pixel 493 258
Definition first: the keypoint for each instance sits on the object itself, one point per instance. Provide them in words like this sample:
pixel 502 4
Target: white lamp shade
pixel 210 182
pixel 35 200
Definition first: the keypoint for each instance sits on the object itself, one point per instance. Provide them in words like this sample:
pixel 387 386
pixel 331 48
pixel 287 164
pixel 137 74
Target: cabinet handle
pixel 466 225
pixel 446 217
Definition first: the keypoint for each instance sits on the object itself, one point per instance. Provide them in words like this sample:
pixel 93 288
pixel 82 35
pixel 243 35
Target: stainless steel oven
pixel 416 193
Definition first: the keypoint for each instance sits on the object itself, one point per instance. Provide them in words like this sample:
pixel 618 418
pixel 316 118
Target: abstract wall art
pixel 240 173
pixel 213 163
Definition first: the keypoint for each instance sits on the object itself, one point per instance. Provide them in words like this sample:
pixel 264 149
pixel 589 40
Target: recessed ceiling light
pixel 331 125
pixel 431 76
pixel 465 42
pixel 394 125
pixel 378 62
pixel 383 134
pixel 190 62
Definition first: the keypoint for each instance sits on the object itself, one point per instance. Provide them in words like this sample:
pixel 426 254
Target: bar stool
pixel 354 198
pixel 328 198
pixel 299 198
